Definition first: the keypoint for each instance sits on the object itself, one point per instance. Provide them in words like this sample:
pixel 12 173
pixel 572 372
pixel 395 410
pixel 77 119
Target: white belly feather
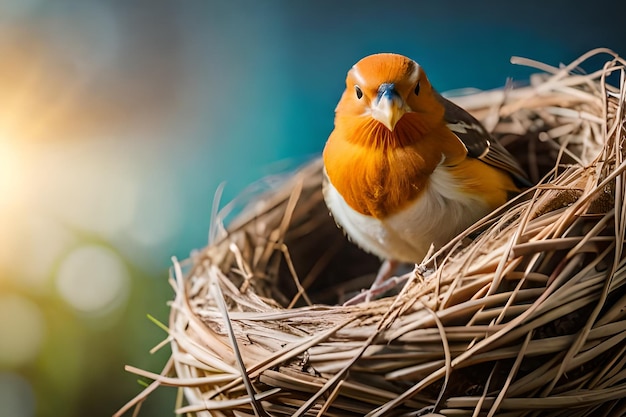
pixel 439 214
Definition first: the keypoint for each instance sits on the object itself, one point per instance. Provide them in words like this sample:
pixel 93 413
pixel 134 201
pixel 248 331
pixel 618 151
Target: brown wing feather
pixel 479 143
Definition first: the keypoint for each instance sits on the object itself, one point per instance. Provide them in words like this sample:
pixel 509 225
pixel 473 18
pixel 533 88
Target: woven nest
pixel 522 315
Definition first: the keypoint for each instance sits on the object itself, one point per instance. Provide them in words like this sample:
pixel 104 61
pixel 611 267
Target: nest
pixel 522 315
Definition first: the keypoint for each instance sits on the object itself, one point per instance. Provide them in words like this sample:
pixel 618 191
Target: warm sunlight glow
pixel 8 171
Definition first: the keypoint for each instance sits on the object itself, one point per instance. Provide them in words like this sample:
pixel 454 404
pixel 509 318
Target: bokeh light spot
pixel 16 396
pixel 93 279
pixel 22 328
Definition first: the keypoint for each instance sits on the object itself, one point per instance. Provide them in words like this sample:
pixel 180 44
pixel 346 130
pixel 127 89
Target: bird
pixel 405 168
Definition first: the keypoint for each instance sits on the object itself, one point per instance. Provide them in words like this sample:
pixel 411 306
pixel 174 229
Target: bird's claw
pixel 375 290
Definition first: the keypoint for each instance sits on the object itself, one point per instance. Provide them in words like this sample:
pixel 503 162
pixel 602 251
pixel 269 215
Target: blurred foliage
pixel 119 119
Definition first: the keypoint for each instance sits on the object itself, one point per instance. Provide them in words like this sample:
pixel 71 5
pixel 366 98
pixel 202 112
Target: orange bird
pixel 405 168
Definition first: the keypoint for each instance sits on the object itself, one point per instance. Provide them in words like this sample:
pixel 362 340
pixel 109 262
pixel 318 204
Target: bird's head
pixel 386 88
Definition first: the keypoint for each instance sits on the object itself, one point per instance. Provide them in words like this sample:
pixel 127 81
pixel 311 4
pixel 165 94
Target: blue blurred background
pixel 119 119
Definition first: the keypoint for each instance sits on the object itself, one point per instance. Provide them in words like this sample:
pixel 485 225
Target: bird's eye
pixel 417 89
pixel 359 92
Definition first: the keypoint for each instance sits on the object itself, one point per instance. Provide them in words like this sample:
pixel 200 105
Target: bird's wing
pixel 479 143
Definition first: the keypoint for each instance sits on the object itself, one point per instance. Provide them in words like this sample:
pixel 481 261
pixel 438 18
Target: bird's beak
pixel 389 107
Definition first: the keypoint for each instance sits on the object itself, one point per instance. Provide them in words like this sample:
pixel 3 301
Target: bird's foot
pixel 386 271
pixel 383 282
pixel 375 290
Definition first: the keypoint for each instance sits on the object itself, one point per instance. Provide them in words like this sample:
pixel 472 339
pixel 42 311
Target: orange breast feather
pixel 379 172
